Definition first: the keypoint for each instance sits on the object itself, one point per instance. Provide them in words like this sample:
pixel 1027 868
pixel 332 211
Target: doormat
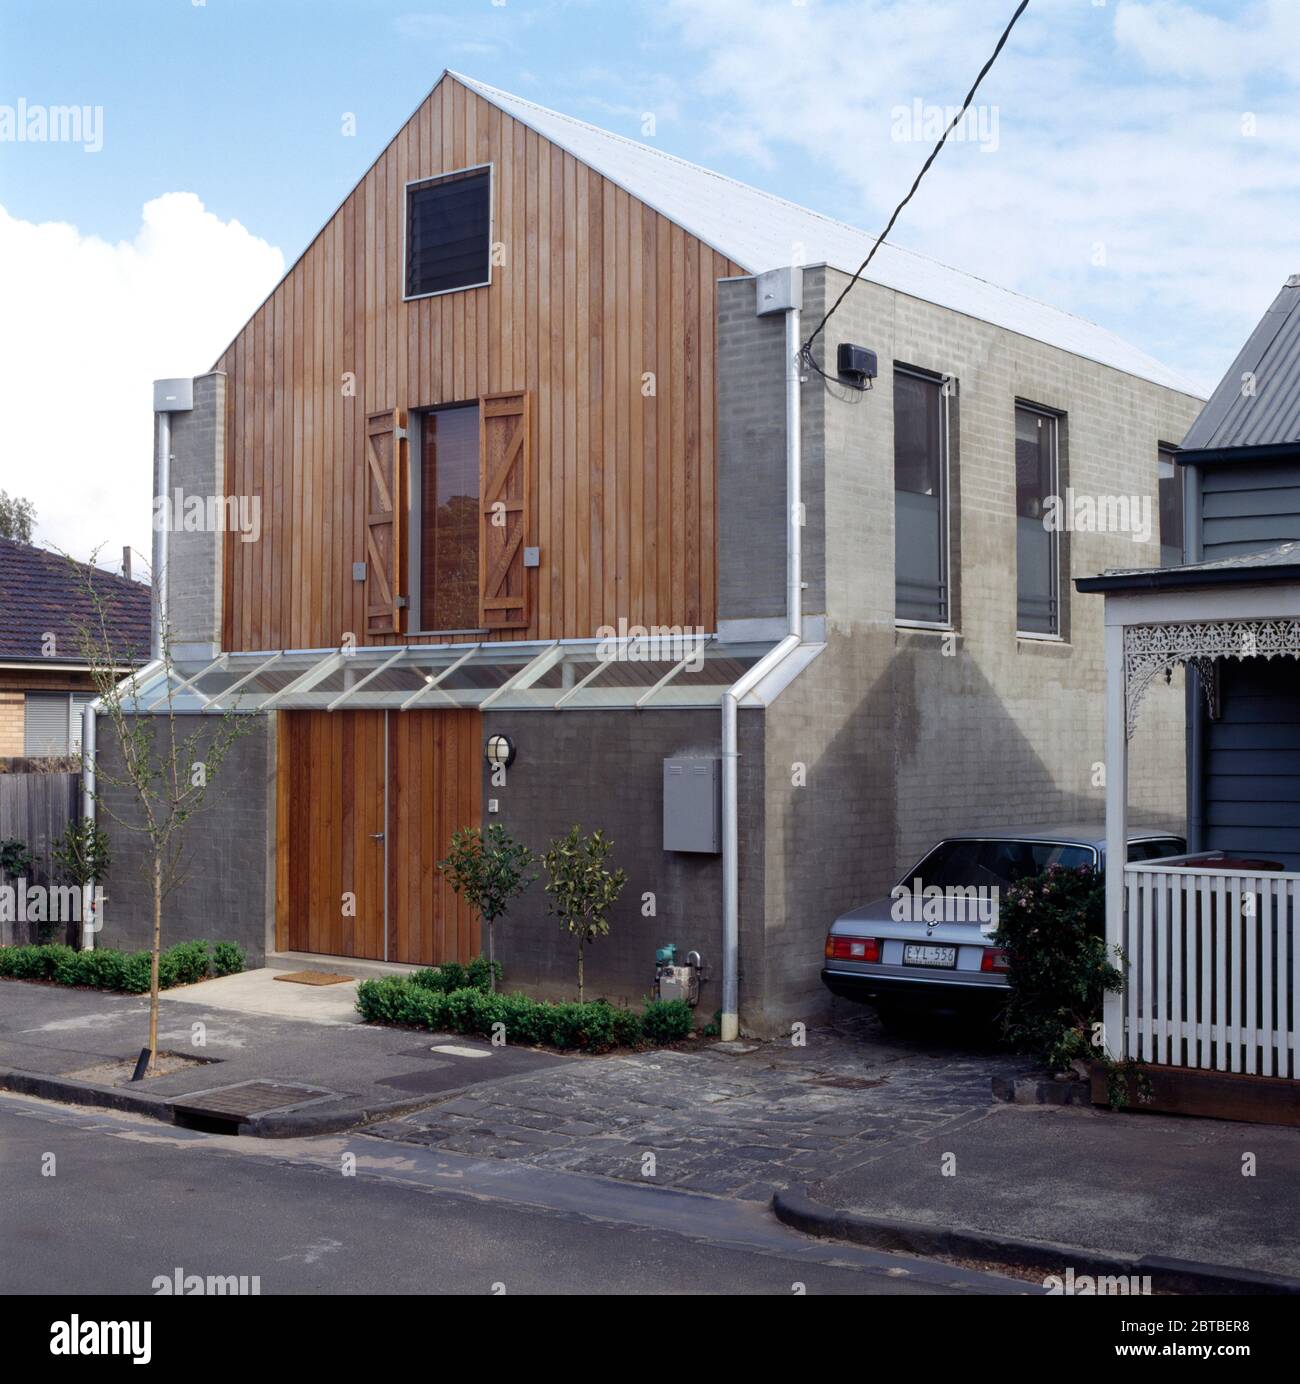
pixel 315 978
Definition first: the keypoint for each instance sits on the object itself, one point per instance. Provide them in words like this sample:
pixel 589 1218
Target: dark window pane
pixel 920 501
pixel 450 501
pixel 448 222
pixel 1171 509
pixel 1036 548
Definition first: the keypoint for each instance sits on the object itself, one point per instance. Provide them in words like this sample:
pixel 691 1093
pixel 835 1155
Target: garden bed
pixel 127 972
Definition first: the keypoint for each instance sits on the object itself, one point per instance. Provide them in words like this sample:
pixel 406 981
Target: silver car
pixel 930 943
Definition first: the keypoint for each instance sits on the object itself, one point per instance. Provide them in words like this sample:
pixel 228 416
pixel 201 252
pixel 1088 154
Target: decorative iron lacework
pixel 1153 649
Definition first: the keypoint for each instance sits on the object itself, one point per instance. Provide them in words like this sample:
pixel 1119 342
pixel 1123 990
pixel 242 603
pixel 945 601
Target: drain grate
pixel 248 1098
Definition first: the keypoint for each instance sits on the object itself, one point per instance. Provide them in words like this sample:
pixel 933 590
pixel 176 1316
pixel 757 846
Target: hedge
pixel 595 1026
pixel 105 969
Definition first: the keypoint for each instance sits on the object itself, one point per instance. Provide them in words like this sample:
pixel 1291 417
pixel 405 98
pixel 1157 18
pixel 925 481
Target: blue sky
pixel 1135 161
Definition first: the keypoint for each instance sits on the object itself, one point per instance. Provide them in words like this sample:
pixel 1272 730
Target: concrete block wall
pixel 604 769
pixel 227 855
pixel 195 558
pixel 935 732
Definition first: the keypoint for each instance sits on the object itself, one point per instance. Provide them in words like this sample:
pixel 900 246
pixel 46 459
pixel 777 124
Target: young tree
pixel 16 517
pixel 164 773
pixel 581 889
pixel 489 872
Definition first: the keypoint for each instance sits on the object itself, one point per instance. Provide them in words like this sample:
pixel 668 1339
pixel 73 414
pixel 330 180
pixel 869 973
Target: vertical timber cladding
pixel 356 856
pixel 600 308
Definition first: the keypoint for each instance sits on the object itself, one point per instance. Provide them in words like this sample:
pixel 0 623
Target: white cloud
pixel 1119 126
pixel 88 326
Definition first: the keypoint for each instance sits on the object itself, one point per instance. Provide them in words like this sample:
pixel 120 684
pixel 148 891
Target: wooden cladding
pixel 386 503
pixel 366 805
pixel 599 308
pixel 505 496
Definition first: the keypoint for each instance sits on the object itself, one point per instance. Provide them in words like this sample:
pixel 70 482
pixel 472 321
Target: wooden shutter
pixel 506 491
pixel 385 515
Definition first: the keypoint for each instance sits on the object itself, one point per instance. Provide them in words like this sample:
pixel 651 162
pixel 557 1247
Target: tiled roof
pixel 42 593
pixel 1267 413
pixel 760 231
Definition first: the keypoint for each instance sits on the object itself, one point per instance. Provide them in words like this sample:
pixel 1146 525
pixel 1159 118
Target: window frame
pixel 945 501
pixel 1167 454
pixel 406 226
pixel 1057 634
pixel 415 515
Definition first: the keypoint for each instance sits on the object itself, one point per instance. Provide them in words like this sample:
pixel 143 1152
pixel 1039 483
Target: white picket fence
pixel 1212 969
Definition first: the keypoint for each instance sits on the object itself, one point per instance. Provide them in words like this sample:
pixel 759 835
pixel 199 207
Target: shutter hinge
pixel 400 434
pixel 400 602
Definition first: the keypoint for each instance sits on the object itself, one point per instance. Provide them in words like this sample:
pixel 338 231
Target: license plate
pixel 929 956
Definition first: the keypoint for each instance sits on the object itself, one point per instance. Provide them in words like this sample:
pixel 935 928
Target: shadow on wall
pixel 930 747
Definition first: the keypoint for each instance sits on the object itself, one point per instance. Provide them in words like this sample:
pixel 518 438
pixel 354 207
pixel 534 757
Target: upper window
pixel 1171 508
pixel 448 232
pixel 1038 609
pixel 920 500
pixel 52 724
pixel 449 531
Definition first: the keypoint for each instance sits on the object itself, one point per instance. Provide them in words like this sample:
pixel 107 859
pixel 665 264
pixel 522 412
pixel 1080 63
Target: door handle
pixel 376 835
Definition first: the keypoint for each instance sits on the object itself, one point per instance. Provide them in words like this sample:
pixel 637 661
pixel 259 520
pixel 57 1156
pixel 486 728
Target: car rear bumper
pixel 939 992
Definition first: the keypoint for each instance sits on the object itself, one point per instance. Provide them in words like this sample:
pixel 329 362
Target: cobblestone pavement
pixel 734 1123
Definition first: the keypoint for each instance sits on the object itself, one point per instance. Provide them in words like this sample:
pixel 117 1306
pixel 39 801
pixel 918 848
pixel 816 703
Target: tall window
pixel 1171 508
pixel 920 500
pixel 448 232
pixel 449 503
pixel 1037 546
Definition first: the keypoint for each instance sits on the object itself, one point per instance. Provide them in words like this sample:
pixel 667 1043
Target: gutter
pixel 781 290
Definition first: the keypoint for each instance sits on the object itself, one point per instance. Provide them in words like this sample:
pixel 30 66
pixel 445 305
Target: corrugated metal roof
pixel 760 231
pixel 1267 412
pixel 1279 564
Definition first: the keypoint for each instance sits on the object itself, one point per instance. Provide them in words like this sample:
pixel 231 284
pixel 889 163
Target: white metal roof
pixel 759 231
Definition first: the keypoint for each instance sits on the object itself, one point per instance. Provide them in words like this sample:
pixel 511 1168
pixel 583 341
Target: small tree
pixel 581 889
pixel 164 774
pixel 16 517
pixel 83 856
pixel 488 872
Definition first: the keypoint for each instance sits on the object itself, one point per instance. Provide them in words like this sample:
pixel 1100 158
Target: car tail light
pixel 995 959
pixel 852 948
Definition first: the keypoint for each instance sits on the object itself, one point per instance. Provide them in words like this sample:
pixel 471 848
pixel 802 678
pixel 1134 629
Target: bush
pixel 106 969
pixel 228 959
pixel 667 1021
pixel 1053 929
pixel 595 1026
pixel 451 975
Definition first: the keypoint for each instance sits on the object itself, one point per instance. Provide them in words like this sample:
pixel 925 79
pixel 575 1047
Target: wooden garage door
pixel 367 803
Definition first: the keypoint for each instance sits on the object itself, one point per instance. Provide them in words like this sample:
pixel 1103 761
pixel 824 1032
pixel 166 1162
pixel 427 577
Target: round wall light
pixel 499 751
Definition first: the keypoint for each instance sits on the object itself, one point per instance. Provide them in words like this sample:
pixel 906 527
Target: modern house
pixel 45 681
pixel 1211 947
pixel 529 449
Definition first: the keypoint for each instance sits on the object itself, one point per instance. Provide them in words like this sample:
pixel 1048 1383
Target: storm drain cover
pixel 250 1098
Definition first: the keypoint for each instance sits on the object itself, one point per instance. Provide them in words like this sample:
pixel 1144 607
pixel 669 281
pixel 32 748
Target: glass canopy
pixel 635 673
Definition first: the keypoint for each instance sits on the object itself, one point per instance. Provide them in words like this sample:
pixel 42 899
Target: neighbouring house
pixel 45 681
pixel 1210 946
pixel 519 448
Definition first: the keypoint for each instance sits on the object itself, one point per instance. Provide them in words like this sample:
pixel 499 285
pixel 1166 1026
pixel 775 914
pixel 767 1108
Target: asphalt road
pixel 96 1202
